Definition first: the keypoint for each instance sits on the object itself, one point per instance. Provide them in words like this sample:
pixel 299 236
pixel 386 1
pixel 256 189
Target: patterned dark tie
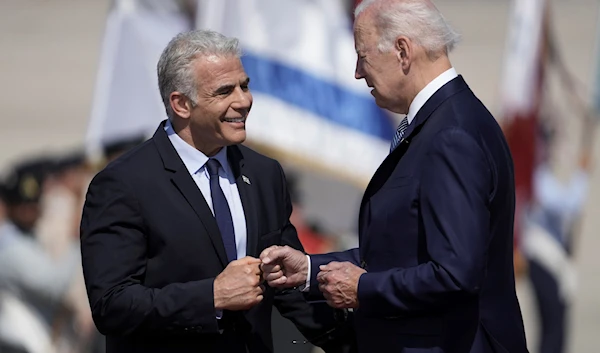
pixel 399 133
pixel 221 209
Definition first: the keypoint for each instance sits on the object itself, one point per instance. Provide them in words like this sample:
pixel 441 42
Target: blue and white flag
pixel 299 55
pixel 300 58
pixel 126 101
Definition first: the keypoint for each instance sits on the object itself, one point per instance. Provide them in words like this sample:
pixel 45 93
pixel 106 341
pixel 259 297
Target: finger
pixel 322 277
pixel 279 253
pixel 258 290
pixel 264 255
pixel 256 269
pixel 270 268
pixel 333 265
pixel 249 260
pixel 273 276
pixel 335 304
pixel 328 297
pixel 280 282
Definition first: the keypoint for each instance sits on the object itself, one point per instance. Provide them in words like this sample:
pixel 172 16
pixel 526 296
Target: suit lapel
pixel 243 180
pixel 186 185
pixel 389 163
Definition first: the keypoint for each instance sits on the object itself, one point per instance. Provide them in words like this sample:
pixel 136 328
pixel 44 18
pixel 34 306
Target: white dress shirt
pixel 423 96
pixel 418 102
pixel 195 163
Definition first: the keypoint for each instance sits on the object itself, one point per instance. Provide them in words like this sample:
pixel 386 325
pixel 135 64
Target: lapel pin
pixel 245 179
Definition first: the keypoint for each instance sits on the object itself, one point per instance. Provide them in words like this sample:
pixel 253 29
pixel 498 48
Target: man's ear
pixel 404 51
pixel 181 105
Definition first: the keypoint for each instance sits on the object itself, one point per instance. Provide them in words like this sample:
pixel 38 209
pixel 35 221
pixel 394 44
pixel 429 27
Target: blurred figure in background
pixel 62 202
pixel 114 149
pixel 548 238
pixel 32 283
pixel 58 233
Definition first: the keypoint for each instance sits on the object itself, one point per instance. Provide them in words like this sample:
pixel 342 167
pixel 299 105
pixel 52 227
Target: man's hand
pixel 339 283
pixel 238 286
pixel 284 267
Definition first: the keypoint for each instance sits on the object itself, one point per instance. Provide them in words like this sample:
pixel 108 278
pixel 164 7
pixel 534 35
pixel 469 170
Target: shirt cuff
pixel 306 287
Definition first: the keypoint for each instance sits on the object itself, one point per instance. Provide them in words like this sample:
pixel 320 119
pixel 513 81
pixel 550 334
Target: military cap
pixel 25 181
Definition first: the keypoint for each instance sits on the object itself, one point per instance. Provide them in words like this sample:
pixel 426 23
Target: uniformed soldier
pixel 26 271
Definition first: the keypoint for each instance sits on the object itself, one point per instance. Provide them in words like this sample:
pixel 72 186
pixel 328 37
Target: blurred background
pixel 80 89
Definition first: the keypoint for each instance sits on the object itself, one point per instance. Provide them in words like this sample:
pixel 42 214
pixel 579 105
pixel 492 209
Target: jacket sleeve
pixel 351 255
pixel 456 185
pixel 114 254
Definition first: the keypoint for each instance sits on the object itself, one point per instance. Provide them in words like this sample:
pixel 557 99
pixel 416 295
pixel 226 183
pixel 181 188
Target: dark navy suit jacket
pixel 151 249
pixel 436 237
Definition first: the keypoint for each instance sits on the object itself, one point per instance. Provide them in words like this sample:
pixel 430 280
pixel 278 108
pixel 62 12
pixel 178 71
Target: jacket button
pixel 363 264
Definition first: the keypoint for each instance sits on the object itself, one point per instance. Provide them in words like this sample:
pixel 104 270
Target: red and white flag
pixel 521 93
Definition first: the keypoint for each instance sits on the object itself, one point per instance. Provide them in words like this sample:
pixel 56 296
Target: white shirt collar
pixel 192 158
pixel 423 96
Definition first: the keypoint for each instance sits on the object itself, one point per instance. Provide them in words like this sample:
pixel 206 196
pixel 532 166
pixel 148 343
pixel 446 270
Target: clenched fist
pixel 239 287
pixel 284 267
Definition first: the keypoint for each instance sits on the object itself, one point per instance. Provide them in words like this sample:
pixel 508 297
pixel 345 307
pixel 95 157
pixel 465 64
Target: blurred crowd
pixel 43 301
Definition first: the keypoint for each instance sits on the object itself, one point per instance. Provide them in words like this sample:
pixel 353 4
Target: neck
pixel 184 130
pixel 428 71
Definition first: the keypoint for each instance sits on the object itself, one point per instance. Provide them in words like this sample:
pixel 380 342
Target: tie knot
pixel 399 133
pixel 213 167
pixel 403 124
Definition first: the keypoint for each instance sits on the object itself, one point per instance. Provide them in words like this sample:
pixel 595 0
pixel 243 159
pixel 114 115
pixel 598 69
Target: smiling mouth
pixel 234 120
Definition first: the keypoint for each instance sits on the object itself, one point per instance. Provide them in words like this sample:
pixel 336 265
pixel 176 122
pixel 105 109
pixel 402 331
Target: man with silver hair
pixel 171 230
pixel 434 269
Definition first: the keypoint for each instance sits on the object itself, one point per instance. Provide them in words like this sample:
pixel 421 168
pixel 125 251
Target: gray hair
pixel 175 64
pixel 418 20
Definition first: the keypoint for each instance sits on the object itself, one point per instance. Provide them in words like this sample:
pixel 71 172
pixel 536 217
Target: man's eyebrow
pixel 224 89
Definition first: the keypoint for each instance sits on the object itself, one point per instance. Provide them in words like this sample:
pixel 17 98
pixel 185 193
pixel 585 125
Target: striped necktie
pixel 399 133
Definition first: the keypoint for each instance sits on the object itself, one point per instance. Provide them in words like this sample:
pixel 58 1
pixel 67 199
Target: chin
pixel 381 103
pixel 237 139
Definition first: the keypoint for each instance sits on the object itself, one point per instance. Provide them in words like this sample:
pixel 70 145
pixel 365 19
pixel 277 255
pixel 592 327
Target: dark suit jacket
pixel 436 237
pixel 151 249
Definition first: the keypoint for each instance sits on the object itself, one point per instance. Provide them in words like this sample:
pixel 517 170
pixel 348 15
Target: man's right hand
pixel 238 286
pixel 284 267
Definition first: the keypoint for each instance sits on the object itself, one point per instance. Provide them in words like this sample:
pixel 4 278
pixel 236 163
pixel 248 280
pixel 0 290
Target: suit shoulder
pixel 257 158
pixel 466 112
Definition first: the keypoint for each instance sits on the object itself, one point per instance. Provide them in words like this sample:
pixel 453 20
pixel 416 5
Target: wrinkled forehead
pixel 365 33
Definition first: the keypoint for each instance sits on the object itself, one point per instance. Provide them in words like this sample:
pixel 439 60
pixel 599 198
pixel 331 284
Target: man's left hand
pixel 338 281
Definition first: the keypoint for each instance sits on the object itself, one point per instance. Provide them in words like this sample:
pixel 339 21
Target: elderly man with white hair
pixel 434 269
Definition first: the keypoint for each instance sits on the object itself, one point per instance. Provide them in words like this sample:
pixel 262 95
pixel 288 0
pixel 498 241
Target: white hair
pixel 419 20
pixel 174 66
